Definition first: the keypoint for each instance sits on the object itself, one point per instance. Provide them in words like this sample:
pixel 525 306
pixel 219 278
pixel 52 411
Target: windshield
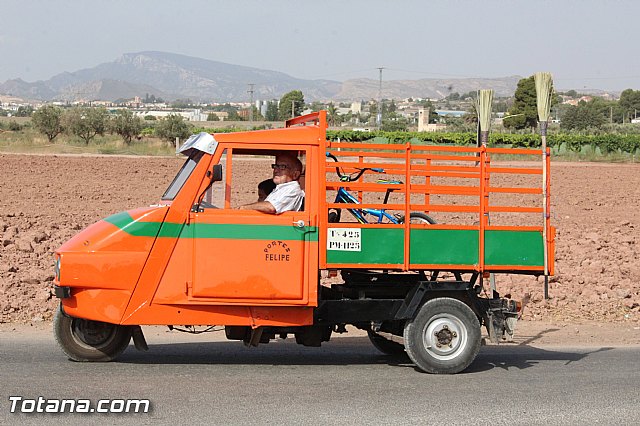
pixel 183 175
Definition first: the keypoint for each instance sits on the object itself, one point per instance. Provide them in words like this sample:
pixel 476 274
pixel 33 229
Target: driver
pixel 287 195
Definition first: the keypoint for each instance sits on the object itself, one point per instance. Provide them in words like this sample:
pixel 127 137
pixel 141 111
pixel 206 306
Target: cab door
pixel 251 257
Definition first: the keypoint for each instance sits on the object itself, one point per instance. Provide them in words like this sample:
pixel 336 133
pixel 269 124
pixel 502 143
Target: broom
pixel 544 89
pixel 483 109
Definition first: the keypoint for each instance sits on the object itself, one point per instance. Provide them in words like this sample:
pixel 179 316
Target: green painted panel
pixel 125 222
pixel 255 232
pixel 444 247
pixel 383 246
pixel 513 248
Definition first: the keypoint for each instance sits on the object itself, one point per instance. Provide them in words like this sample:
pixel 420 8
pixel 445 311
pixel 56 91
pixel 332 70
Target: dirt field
pixel 47 199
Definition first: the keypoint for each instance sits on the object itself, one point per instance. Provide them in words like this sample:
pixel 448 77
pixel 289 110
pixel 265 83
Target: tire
pixel 444 337
pixel 334 215
pixel 384 345
pixel 85 340
pixel 417 217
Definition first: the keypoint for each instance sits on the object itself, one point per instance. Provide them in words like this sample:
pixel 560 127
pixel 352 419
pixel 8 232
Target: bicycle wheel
pixel 418 218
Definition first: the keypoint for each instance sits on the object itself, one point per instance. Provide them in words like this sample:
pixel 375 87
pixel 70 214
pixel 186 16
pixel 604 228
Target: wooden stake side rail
pixel 428 171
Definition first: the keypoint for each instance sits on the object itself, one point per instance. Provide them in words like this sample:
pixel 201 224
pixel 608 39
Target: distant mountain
pixel 21 89
pixel 425 88
pixel 172 76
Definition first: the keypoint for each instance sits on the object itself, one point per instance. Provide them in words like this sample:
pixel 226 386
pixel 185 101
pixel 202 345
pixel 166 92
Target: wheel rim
pixel 93 334
pixel 445 337
pixel 418 220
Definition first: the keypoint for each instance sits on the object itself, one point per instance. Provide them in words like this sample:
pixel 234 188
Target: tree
pixel 48 120
pixel 172 127
pixel 295 98
pixel 391 107
pixel 630 102
pixel 333 119
pixel 212 117
pixel 86 123
pixel 524 112
pixel 232 115
pixel 316 106
pixel 24 111
pixel 152 99
pixel 271 114
pixel 126 125
pixel 394 123
pixel 256 114
pixel 583 116
pixel 182 103
pixel 455 96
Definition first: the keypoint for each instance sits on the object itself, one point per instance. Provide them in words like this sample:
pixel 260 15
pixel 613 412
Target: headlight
pixel 57 268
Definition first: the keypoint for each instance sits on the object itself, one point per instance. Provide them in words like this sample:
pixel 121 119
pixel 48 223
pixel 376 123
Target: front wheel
pixel 85 340
pixel 444 338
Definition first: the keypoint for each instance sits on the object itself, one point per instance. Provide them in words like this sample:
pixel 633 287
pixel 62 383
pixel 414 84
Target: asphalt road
pixel 207 380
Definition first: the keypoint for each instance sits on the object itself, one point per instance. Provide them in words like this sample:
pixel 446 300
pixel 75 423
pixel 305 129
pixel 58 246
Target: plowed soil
pixel 47 199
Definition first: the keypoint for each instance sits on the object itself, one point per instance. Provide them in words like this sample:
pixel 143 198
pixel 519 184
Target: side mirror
pixel 217 173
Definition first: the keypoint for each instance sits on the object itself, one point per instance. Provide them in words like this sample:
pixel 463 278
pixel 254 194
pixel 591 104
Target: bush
pixel 48 120
pixel 609 142
pixel 173 127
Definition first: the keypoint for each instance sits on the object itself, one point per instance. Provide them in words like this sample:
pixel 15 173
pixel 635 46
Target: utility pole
pixel 250 91
pixel 611 115
pixel 293 108
pixel 379 115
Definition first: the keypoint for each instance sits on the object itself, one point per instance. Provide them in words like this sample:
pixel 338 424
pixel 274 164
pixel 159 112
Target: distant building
pixel 450 113
pixel 575 102
pixel 423 122
pixel 423 119
pixel 189 115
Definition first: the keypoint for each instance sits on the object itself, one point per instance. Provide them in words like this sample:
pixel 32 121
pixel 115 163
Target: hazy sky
pixel 585 44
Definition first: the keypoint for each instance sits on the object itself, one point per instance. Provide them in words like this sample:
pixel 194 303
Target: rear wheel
pixel 385 345
pixel 444 338
pixel 85 340
pixel 418 217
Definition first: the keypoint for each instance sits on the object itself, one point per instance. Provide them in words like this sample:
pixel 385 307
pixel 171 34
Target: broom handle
pixel 543 134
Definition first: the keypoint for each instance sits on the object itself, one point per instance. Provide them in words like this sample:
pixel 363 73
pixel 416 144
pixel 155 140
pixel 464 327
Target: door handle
pixel 299 223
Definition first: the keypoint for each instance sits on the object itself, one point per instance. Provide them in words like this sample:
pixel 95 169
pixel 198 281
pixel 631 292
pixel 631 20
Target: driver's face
pixel 284 174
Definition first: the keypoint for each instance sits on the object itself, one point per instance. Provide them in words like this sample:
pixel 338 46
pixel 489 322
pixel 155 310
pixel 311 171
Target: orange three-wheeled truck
pixel 417 285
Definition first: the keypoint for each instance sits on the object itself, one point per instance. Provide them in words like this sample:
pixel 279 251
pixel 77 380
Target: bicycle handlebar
pixel 352 178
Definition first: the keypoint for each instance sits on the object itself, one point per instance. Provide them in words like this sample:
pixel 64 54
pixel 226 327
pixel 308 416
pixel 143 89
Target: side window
pixel 255 175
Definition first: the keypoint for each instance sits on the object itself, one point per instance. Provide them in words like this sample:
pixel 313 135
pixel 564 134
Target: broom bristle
pixel 544 86
pixel 483 107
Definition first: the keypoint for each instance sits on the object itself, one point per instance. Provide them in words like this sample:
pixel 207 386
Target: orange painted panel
pixel 222 315
pixel 97 304
pixel 249 269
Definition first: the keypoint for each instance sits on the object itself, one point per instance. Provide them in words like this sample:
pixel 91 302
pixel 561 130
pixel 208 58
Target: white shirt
pixel 286 197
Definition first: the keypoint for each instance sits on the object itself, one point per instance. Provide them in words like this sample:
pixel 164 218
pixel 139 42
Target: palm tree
pixel 332 115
